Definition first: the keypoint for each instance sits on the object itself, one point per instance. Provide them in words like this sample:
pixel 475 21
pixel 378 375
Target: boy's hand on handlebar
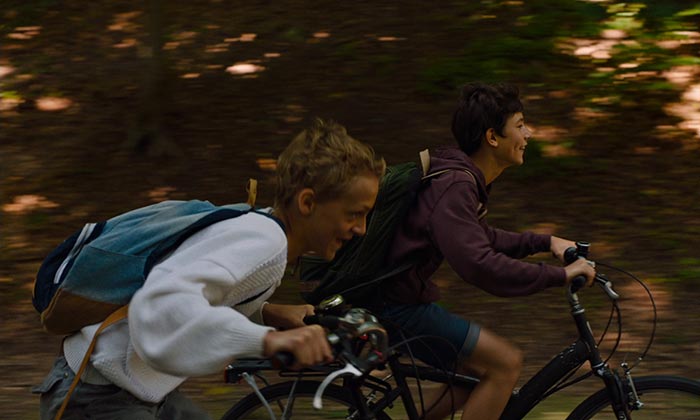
pixel 580 267
pixel 286 316
pixel 308 344
pixel 559 245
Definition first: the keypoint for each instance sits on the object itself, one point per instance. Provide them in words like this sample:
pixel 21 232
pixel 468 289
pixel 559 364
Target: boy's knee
pixel 512 362
pixel 517 359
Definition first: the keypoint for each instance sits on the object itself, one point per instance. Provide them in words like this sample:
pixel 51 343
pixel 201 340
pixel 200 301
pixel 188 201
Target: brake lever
pixel 348 369
pixel 606 285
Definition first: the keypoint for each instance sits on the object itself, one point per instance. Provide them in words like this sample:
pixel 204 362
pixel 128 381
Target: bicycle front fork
pixel 621 389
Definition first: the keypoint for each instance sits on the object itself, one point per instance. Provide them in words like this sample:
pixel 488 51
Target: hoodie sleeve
pixel 468 248
pixel 517 245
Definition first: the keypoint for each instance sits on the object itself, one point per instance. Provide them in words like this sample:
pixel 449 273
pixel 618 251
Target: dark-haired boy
pixel 448 223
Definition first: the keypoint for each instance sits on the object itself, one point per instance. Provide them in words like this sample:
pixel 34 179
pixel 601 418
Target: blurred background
pixel 111 105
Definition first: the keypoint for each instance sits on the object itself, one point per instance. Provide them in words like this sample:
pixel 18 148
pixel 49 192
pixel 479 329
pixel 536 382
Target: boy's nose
pixel 361 227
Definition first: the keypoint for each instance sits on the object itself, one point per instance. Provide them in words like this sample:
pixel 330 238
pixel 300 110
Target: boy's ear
pixel 491 137
pixel 306 200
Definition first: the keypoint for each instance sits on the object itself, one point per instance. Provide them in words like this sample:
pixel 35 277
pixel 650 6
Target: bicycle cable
pixel 398 328
pixel 415 369
pixel 619 332
pixel 451 374
pixel 565 381
pixel 615 310
pixel 607 326
pixel 562 384
pixel 653 306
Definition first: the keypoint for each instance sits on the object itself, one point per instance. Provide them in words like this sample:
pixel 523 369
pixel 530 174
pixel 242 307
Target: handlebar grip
pixel 577 283
pixel 328 321
pixel 282 359
pixel 570 255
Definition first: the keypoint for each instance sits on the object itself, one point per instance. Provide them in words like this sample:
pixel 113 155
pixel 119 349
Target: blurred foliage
pixel 611 89
pixel 513 43
pixel 597 73
pixel 530 45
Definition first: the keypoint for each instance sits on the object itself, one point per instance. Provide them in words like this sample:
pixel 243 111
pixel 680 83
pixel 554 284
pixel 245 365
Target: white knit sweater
pixel 186 320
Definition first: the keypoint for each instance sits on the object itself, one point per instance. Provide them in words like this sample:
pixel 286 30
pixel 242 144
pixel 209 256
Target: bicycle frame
pixel 522 400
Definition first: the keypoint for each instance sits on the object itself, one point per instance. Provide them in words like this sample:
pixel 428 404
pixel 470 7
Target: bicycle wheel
pixel 337 403
pixel 664 397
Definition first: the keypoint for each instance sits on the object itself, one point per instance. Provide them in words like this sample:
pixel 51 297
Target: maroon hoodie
pixel 447 222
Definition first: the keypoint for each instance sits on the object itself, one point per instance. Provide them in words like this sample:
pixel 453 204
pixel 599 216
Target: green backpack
pixel 360 266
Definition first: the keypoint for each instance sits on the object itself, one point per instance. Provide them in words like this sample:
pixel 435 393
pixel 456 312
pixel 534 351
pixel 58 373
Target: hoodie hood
pixel 450 157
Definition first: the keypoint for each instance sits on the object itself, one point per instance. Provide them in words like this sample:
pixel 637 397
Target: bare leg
pixel 500 363
pixel 444 406
pixel 497 363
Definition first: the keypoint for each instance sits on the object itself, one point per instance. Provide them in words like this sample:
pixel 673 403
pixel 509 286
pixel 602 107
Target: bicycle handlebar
pixel 581 251
pixel 331 322
pixel 356 324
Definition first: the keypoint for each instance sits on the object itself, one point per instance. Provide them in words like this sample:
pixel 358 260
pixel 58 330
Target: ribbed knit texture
pixel 186 320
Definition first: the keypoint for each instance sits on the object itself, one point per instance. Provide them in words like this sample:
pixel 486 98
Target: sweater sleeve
pixel 467 247
pixel 182 321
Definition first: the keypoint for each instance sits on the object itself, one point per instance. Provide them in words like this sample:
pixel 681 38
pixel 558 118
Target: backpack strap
pixel 117 315
pixel 425 161
pixel 252 190
pixel 480 209
pixel 391 273
pixel 114 317
pixel 425 165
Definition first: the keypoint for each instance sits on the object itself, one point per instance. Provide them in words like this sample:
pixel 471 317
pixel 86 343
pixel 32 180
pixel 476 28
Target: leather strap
pixel 425 161
pixel 115 316
pixel 252 190
pixel 425 164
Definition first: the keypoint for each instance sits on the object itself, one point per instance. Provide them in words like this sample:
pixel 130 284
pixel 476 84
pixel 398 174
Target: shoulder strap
pixel 252 190
pixel 117 315
pixel 425 165
pixel 425 161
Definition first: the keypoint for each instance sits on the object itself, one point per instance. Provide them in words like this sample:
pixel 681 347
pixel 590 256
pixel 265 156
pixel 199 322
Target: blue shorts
pixel 441 338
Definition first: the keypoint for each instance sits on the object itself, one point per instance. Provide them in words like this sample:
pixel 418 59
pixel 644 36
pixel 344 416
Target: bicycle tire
pixel 664 397
pixel 336 401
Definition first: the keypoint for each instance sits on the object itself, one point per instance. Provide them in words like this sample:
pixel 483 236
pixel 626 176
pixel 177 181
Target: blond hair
pixel 326 159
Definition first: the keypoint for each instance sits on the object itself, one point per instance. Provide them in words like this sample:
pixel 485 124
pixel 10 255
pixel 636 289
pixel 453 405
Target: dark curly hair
pixel 482 106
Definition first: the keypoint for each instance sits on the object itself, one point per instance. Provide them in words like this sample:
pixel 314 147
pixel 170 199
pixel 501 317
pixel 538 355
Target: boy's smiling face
pixel 511 146
pixel 334 222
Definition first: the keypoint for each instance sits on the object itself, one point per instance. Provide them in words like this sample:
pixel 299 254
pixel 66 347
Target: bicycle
pixel 364 396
